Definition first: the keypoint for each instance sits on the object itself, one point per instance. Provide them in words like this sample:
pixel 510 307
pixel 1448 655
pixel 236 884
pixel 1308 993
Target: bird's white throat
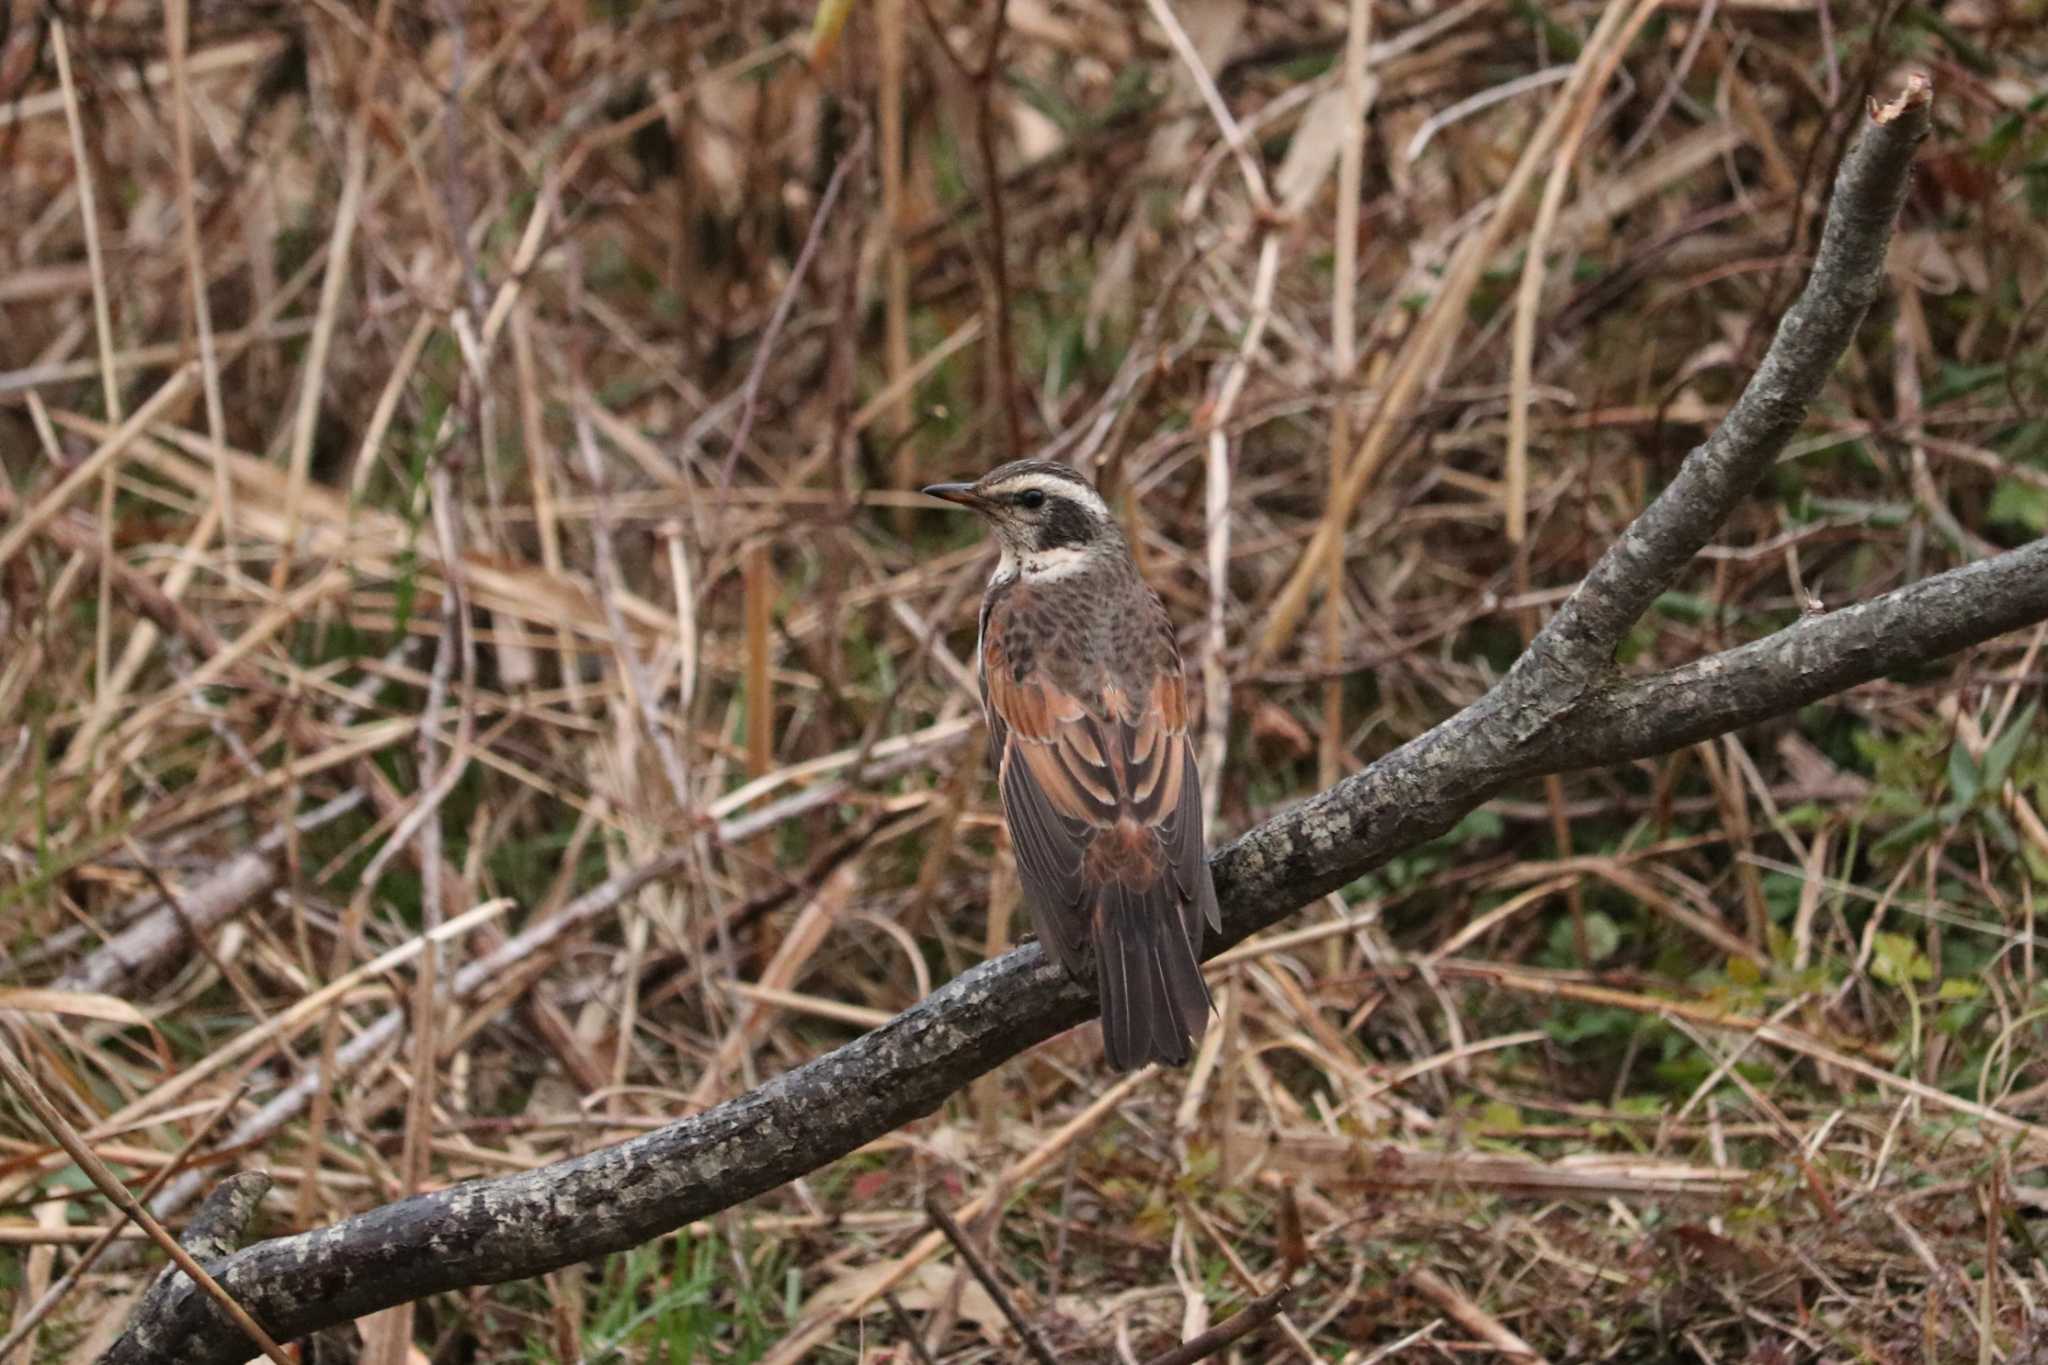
pixel 1041 566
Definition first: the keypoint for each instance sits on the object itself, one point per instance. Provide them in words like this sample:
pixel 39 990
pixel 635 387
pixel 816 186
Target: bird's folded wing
pixel 1073 768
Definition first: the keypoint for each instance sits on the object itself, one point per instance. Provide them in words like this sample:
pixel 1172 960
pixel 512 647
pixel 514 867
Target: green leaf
pixel 1498 1116
pixel 1914 830
pixel 2037 861
pixel 2001 830
pixel 2005 135
pixel 1963 778
pixel 1958 1019
pixel 1689 607
pixel 1576 1024
pixel 1603 938
pixel 1900 961
pixel 2022 503
pixel 1999 756
pixel 1960 381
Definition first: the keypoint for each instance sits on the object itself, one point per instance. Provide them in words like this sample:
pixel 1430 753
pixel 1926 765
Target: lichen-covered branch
pixel 1848 270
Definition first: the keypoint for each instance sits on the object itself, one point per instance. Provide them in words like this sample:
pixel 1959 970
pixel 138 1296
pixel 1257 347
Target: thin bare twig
pixel 969 1253
pixel 764 347
pixel 908 1329
pixel 1474 1319
pixel 1228 1332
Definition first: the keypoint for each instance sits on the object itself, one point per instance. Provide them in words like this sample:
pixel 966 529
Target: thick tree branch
pixel 1580 640
pixel 1562 707
pixel 1426 786
pixel 214 1231
pixel 1816 658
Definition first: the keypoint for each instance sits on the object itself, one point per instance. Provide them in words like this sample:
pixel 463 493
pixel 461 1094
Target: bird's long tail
pixel 1148 948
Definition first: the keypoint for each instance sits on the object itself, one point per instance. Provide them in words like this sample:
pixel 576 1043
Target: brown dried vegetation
pixel 492 428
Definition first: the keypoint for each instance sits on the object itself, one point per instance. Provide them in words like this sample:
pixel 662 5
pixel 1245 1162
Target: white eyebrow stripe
pixel 1052 485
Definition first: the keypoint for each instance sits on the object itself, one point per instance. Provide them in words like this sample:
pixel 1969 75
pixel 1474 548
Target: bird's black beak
pixel 962 493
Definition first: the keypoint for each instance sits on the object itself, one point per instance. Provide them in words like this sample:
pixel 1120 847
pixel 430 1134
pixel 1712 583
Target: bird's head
pixel 1048 520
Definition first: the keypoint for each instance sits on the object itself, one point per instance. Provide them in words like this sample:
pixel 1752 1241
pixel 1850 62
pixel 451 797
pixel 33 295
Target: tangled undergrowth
pixel 523 493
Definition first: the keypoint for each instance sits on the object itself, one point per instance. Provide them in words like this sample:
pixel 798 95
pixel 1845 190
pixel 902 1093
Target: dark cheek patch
pixel 1065 524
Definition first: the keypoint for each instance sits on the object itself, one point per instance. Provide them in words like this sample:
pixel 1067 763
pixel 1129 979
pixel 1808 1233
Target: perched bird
pixel 1088 730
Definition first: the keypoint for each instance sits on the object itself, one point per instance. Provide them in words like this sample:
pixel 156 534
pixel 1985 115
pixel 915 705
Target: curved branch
pixel 1848 271
pixel 1817 657
pixel 514 1227
pixel 1561 707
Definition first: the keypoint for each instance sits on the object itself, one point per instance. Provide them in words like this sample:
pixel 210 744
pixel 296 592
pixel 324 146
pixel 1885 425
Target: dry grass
pixel 457 454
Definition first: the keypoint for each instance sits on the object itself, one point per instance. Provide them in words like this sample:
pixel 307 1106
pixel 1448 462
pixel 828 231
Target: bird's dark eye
pixel 1031 498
